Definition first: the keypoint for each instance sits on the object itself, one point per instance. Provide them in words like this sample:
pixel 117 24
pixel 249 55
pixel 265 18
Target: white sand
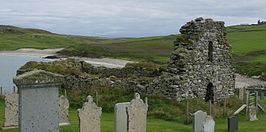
pixel 106 62
pixel 35 52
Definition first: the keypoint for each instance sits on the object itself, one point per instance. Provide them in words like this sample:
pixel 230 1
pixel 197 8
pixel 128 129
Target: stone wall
pixel 201 58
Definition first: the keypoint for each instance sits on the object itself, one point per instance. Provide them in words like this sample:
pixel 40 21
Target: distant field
pixel 247 39
pixel 248 46
pixel 244 40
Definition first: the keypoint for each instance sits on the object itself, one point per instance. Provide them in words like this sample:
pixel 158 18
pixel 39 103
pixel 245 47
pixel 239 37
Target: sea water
pixel 9 64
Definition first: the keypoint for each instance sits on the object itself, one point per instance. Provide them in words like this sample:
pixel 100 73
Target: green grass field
pixel 245 40
pixel 157 125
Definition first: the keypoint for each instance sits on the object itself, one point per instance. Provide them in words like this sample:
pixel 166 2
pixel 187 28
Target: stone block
pixel 89 116
pixel 137 115
pixel 11 111
pixel 232 123
pixel 38 101
pixel 121 118
pixel 63 110
pixel 209 124
pixel 198 119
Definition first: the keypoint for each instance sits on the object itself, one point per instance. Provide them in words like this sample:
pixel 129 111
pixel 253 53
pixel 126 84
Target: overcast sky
pixel 125 18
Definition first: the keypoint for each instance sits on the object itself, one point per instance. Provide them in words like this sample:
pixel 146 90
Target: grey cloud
pixel 125 18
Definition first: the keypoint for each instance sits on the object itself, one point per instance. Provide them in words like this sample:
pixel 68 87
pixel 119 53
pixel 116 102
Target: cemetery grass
pixel 158 125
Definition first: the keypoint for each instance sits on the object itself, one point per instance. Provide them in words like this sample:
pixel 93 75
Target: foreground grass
pixel 158 125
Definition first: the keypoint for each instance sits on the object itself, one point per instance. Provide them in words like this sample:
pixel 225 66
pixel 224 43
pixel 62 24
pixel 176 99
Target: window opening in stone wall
pixel 210 51
pixel 209 93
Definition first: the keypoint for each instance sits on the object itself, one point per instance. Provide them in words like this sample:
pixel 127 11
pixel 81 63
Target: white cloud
pixel 125 18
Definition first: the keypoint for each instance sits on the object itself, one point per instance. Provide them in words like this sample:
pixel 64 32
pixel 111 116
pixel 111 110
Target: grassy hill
pixel 248 45
pixel 249 41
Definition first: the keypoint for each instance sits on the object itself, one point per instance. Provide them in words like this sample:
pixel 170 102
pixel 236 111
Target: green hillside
pixel 249 41
pixel 248 45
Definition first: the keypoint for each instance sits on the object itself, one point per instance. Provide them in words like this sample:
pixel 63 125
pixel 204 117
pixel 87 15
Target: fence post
pixel 187 111
pixel 210 107
pixel 247 103
pixel 1 90
pixel 14 89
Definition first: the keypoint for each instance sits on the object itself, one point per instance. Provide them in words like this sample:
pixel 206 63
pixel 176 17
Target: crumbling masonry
pixel 200 65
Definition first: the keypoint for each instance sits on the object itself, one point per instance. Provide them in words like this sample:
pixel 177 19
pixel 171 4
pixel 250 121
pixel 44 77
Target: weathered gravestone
pixel 63 110
pixel 137 115
pixel 232 123
pixel 131 116
pixel 121 117
pixel 11 111
pixel 89 116
pixel 38 101
pixel 198 119
pixel 209 124
pixel 253 114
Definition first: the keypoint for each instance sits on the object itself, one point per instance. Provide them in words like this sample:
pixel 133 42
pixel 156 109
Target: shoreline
pixel 34 52
pixel 106 62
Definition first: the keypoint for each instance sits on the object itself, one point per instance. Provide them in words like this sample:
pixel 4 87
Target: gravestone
pixel 121 117
pixel 63 110
pixel 137 115
pixel 232 123
pixel 209 124
pixel 253 114
pixel 89 116
pixel 11 111
pixel 38 101
pixel 198 119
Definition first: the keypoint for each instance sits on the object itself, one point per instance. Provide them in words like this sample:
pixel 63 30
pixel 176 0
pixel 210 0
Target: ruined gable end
pixel 202 60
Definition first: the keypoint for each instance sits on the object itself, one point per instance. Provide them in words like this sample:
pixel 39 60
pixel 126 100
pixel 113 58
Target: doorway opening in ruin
pixel 210 51
pixel 209 93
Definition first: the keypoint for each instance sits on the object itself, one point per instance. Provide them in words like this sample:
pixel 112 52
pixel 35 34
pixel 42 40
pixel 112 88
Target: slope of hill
pixel 248 41
pixel 248 45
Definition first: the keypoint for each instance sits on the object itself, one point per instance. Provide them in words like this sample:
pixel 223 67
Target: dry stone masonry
pixel 38 101
pixel 11 111
pixel 89 116
pixel 200 65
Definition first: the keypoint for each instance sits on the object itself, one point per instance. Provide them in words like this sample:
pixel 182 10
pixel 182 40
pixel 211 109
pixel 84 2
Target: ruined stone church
pixel 200 65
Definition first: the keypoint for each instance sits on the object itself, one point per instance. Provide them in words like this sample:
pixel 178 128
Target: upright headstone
pixel 38 101
pixel 232 123
pixel 121 117
pixel 209 124
pixel 137 115
pixel 198 120
pixel 89 116
pixel 11 111
pixel 63 110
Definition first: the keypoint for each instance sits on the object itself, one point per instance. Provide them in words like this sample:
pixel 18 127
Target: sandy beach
pixel 35 52
pixel 106 62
